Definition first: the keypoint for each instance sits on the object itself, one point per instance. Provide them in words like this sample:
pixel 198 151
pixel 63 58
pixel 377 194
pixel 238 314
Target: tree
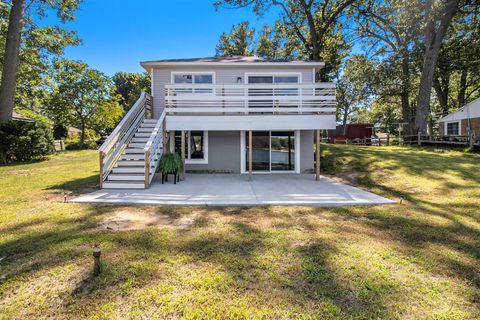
pixel 130 86
pixel 84 97
pixel 355 86
pixel 438 17
pixel 391 29
pixel 238 42
pixel 457 76
pixel 18 14
pixel 316 25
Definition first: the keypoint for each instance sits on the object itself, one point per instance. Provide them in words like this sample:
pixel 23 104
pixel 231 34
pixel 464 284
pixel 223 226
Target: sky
pixel 118 34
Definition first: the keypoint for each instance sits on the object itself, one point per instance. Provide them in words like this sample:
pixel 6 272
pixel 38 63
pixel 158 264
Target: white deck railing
pixel 154 149
pixel 315 98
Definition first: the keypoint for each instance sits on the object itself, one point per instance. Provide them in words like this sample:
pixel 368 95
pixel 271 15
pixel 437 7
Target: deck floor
pixel 235 190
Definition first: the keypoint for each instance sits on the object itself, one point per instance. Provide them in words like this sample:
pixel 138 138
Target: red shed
pixel 353 131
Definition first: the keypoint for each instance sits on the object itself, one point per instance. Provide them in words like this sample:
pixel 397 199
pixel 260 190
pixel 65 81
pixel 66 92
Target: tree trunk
pixel 11 60
pixel 344 121
pixel 82 134
pixel 462 89
pixel 433 42
pixel 442 95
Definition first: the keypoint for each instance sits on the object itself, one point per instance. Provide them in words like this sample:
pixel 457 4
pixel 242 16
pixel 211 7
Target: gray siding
pixel 223 153
pixel 161 76
pixel 306 151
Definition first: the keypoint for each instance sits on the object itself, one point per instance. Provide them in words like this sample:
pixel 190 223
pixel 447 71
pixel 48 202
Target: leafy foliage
pixel 170 163
pixel 84 97
pixel 238 42
pixel 130 86
pixel 24 141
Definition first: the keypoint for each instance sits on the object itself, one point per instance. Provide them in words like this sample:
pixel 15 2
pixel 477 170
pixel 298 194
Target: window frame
pixel 459 131
pixel 188 141
pixel 192 73
pixel 273 74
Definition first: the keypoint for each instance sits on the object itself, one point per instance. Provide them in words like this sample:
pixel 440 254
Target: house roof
pixel 468 111
pixel 20 117
pixel 232 61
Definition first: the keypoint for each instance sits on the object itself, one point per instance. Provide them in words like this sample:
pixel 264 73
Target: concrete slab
pixel 235 190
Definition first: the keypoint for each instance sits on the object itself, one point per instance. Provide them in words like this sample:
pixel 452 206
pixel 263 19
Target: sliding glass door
pixel 272 151
pixel 282 151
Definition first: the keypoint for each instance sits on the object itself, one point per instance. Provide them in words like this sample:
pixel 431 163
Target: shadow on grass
pixel 80 185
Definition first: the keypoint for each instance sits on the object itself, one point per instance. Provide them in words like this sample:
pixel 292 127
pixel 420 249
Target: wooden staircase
pixel 130 155
pixel 129 172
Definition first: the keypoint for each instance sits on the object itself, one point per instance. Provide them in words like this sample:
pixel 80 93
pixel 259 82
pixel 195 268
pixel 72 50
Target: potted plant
pixel 170 163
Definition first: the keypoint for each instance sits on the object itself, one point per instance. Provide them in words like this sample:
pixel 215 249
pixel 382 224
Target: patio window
pixel 196 146
pixel 453 129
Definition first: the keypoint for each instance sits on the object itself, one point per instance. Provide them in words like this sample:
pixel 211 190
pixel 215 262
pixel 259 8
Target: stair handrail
pixel 154 148
pixel 116 142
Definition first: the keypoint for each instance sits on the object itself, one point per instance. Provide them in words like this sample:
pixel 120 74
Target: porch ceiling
pixel 234 190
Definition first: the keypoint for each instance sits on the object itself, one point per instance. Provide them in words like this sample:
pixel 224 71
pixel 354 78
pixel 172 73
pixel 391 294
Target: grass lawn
pixel 415 260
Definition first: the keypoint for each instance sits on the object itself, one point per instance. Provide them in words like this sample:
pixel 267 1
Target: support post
pixel 419 137
pixel 102 158
pixel 250 155
pixel 172 139
pixel 317 157
pixel 388 139
pixel 164 136
pixel 183 153
pixel 147 168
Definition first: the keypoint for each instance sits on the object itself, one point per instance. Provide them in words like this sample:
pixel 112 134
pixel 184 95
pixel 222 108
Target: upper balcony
pixel 250 99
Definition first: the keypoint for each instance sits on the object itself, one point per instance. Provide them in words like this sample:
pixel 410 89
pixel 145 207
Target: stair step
pixel 134 156
pixel 134 150
pixel 126 177
pixel 140 139
pixel 123 185
pixel 149 130
pixel 136 144
pixel 150 121
pixel 131 163
pixel 129 170
pixel 147 125
pixel 142 135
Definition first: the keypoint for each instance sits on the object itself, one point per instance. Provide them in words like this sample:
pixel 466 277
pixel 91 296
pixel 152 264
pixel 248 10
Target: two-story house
pixel 223 114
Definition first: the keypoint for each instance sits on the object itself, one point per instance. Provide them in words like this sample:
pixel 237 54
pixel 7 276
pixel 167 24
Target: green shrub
pixel 24 141
pixel 170 163
pixel 91 138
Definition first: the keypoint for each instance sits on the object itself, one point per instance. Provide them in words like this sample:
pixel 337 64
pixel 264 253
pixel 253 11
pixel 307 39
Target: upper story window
pixel 192 78
pixel 195 78
pixel 453 129
pixel 280 78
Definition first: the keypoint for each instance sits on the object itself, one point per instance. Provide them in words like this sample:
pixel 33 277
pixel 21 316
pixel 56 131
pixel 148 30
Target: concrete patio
pixel 233 190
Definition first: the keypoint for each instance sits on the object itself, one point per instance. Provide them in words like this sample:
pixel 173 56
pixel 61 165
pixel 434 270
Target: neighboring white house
pixel 460 121
pixel 222 114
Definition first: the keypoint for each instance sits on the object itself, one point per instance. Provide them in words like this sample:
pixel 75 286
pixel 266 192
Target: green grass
pixel 415 260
